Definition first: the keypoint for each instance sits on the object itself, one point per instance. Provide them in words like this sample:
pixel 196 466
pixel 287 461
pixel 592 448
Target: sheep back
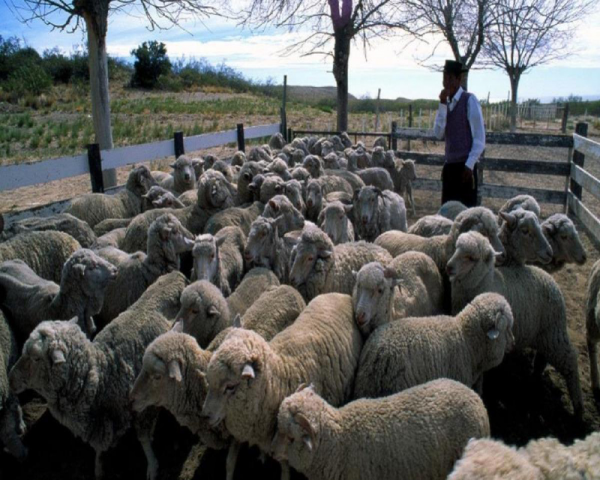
pixel 254 283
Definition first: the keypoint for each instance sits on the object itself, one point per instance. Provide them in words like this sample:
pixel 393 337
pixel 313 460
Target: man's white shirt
pixel 475 119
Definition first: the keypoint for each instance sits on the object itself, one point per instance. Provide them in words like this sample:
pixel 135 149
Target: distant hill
pixel 313 94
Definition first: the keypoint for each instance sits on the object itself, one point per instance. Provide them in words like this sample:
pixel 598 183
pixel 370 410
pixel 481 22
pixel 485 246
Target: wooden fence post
pixel 290 134
pixel 283 111
pixel 578 158
pixel 95 164
pixel 410 123
pixel 241 141
pixel 179 148
pixel 565 118
pixel 393 138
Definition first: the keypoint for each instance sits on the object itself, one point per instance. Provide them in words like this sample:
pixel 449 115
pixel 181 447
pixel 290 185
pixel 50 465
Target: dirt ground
pixel 520 407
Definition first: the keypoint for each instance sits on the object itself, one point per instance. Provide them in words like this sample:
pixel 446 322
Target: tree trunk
pixel 465 81
pixel 341 58
pixel 514 87
pixel 96 26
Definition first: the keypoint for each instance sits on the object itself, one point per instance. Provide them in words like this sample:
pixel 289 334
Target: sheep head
pixel 184 173
pixel 473 250
pixel 280 206
pixel 206 257
pixel 333 219
pixel 314 245
pixel 523 238
pixel 560 231
pixel 482 220
pixel 140 180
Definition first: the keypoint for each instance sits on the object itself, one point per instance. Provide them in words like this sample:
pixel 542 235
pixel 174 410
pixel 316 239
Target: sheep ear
pixel 549 228
pixel 305 425
pixel 509 218
pixel 173 165
pixel 220 240
pixel 389 272
pixel 165 233
pixel 321 217
pixel 58 357
pixel 325 253
pixel 248 371
pixel 237 321
pixel 356 192
pixel 175 370
pixel 493 334
pixel 301 387
pixel 274 205
pixel 177 326
pixel 212 311
pixel 156 203
pixel 348 209
pixel 355 275
pixel 79 269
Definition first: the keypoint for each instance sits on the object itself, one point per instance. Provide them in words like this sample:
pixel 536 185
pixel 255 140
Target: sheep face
pixel 270 187
pixel 564 239
pixel 521 229
pixel 496 321
pixel 293 191
pixel 365 203
pixel 333 220
pixel 167 200
pixel 307 256
pixel 472 250
pixel 298 428
pixel 174 237
pixel 374 289
pixel 12 427
pixel 209 161
pixel 300 174
pixel 152 386
pixel 238 159
pixel 43 365
pixel 236 370
pixel 314 195
pixel 206 257
pixel 280 206
pixel 203 309
pixel 140 180
pixel 184 173
pixel 327 148
pixel 219 191
pixel 198 165
pixel 378 156
pixel 408 170
pixel 261 242
pixel 91 272
pixel 153 195
pixel 313 165
pixel 332 161
pixel 483 221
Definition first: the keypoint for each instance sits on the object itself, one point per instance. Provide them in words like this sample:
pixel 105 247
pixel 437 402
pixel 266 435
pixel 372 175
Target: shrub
pixel 57 65
pixel 151 62
pixel 28 79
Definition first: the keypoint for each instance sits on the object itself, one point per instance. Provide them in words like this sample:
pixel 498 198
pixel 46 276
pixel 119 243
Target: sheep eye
pixel 157 377
pixel 564 237
pixel 229 389
pixel 195 311
pixel 380 291
pixel 470 259
pixel 310 258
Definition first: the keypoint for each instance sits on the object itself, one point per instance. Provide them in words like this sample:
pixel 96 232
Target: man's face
pixel 451 83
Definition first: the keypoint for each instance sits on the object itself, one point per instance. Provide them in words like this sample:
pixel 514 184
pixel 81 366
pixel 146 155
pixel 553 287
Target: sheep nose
pixel 248 256
pixel 187 176
pixel 309 203
pixel 583 258
pixel 364 220
pixel 361 319
pixel 449 270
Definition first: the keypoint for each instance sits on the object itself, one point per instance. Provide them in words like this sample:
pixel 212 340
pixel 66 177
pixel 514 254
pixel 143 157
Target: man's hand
pixel 467 175
pixel 444 96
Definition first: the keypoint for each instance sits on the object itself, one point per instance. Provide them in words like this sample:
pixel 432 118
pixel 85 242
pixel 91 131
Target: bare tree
pixel 462 23
pixel 331 21
pixel 71 15
pixel 528 33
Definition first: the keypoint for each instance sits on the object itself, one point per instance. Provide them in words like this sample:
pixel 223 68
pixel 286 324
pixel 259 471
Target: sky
pixel 392 65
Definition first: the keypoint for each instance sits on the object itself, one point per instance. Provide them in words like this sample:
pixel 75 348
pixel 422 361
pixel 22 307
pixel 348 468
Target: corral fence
pixel 572 170
pixel 94 161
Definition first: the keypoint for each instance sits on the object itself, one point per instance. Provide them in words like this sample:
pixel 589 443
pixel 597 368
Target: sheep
pixel 215 192
pixel 158 197
pixel 183 177
pixel 525 202
pixel 374 176
pixel 111 224
pixel 415 350
pixel 334 221
pixel 403 182
pixel 28 299
pixel 300 174
pixel 12 426
pixel 167 238
pixel 112 240
pixel 293 190
pixel 238 159
pixel 220 258
pixel 277 142
pixel 234 217
pixel 592 315
pixel 86 384
pixel 522 238
pixel 266 248
pixel 376 212
pixel 564 240
pixel 351 179
pixel 270 187
pixel 300 144
pixel 258 153
pixel 545 458
pixel 254 283
pixel 345 139
pixel 280 206
pixel 248 377
pixel 451 209
pixel 256 185
pixel 279 167
pixel 410 286
pixel 247 173
pixel 415 434
pixel 209 160
pixel 95 207
pixel 337 143
pixel 380 142
pixel 536 301
pixel 326 147
pixel 331 161
pixel 363 158
pixel 431 226
pixel 44 252
pixel 317 266
pixel 62 222
pixel 441 247
pixel 188 198
pixel 314 166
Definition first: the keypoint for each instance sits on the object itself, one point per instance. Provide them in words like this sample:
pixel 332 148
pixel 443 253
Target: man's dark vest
pixel 459 138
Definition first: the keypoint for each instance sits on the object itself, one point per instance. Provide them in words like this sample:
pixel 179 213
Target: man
pixel 460 122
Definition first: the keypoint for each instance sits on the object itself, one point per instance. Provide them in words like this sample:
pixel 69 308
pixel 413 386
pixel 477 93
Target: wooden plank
pixel 586 180
pixel 586 146
pixel 209 140
pixel 25 174
pixel 118 157
pixel 589 220
pixel 427 184
pixel 542 196
pixel 261 131
pixel 539 167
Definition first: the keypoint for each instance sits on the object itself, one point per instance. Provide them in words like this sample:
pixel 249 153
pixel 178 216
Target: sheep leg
pixel 285 471
pixel 593 355
pixel 539 365
pixel 144 426
pixel 232 456
pixel 98 467
pixel 412 200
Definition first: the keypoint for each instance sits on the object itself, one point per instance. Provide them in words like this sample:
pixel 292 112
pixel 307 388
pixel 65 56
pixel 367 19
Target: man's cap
pixel 454 67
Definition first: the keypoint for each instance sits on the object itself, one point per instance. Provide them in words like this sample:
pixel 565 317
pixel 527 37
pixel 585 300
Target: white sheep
pixel 95 207
pixel 254 283
pixel 523 202
pixel 266 248
pixel 334 221
pixel 86 384
pixel 415 350
pixel 441 247
pixel 248 377
pixel 317 266
pixel 410 286
pixel 376 212
pixel 29 299
pixel 415 434
pixel 294 190
pixel 183 177
pixel 220 258
pixel 241 217
pixel 566 245
pixel 431 226
pixel 159 197
pixel 592 316
pixel 451 209
pixel 247 173
pixel 522 238
pixel 536 301
pixel 280 206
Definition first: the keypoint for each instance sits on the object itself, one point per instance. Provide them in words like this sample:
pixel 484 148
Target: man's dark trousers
pixel 453 187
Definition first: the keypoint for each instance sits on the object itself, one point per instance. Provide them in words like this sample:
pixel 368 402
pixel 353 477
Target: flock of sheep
pixel 279 300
